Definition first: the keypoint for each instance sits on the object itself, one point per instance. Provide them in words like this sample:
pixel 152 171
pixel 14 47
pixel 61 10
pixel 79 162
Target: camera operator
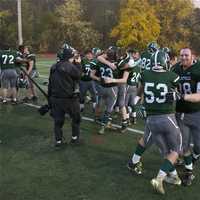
pixel 63 95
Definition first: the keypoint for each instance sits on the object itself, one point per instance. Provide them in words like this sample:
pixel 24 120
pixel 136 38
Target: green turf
pixel 31 169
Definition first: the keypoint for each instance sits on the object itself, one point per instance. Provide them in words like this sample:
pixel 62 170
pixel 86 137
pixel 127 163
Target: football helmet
pixel 152 47
pixel 124 60
pixel 166 50
pixel 96 51
pixel 160 61
pixel 22 82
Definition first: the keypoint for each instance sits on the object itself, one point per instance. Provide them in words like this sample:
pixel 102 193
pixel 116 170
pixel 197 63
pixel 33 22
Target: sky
pixel 197 3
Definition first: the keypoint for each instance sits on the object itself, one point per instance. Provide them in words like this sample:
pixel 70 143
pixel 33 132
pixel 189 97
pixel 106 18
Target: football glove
pixel 174 96
pixel 141 112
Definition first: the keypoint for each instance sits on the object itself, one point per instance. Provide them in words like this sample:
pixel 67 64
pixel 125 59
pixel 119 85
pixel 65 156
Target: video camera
pixel 44 109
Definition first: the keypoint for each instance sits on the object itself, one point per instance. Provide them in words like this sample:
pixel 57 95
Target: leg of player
pixel 135 164
pixel 166 167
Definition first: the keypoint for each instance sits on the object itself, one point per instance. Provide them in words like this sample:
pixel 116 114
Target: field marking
pixel 92 120
pixel 43 76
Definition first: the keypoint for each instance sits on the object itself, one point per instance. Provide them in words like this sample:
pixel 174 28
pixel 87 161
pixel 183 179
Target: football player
pixel 161 125
pixel 8 64
pixel 86 83
pixel 108 92
pixel 146 55
pixel 122 89
pixel 31 70
pixel 96 52
pixel 132 82
pixel 188 113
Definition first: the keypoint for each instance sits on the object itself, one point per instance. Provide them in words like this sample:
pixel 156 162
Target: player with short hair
pixel 86 83
pixel 152 47
pixel 8 64
pixel 107 92
pixel 188 113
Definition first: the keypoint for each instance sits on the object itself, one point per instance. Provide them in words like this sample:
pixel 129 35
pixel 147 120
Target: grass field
pixel 31 169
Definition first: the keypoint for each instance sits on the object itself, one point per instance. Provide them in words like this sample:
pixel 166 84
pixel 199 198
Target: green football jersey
pixel 103 71
pixel 86 69
pixel 93 63
pixel 146 60
pixel 189 83
pixel 134 76
pixel 156 86
pixel 8 59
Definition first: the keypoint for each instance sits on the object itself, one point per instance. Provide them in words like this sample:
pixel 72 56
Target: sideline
pixel 92 120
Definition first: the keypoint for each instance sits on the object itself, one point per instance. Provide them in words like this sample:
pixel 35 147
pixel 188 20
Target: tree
pixel 194 24
pixel 8 25
pixel 173 14
pixel 70 27
pixel 137 25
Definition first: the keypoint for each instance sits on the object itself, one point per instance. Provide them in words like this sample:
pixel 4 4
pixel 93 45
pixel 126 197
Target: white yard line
pixel 92 120
pixel 43 76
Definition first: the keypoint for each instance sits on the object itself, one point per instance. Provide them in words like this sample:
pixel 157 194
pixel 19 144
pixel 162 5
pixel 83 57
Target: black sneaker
pixel 123 129
pixel 34 98
pixel 133 120
pixel 187 178
pixel 76 142
pixel 195 159
pixel 4 101
pixel 97 120
pixel 124 126
pixel 59 143
pixel 14 101
pixel 26 99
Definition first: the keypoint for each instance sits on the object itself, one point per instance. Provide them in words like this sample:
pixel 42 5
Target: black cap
pixel 67 54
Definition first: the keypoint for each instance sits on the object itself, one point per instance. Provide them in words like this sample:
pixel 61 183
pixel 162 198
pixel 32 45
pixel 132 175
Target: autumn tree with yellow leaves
pixel 137 25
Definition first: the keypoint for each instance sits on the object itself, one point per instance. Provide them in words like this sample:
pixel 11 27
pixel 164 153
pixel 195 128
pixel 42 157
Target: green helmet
pixel 96 51
pixel 125 60
pixel 160 61
pixel 152 47
pixel 22 82
pixel 166 50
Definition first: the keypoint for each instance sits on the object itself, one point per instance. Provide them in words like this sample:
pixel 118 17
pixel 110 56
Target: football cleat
pixel 108 126
pixel 180 162
pixel 175 180
pixel 14 101
pixel 187 179
pixel 157 184
pixel 133 120
pixel 136 168
pixel 97 120
pixel 102 130
pixel 76 142
pixel 124 126
pixel 34 98
pixel 4 101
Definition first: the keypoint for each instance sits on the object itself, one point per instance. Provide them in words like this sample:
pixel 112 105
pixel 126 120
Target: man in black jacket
pixel 63 96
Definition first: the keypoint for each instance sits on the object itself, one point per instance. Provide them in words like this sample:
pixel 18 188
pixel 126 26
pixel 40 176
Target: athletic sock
pixel 165 168
pixel 138 153
pixel 188 162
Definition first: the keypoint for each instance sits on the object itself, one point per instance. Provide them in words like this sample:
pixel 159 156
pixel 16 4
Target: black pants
pixel 60 107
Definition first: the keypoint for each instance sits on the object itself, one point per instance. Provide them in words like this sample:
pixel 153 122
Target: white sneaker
pixel 175 180
pixel 4 101
pixel 157 184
